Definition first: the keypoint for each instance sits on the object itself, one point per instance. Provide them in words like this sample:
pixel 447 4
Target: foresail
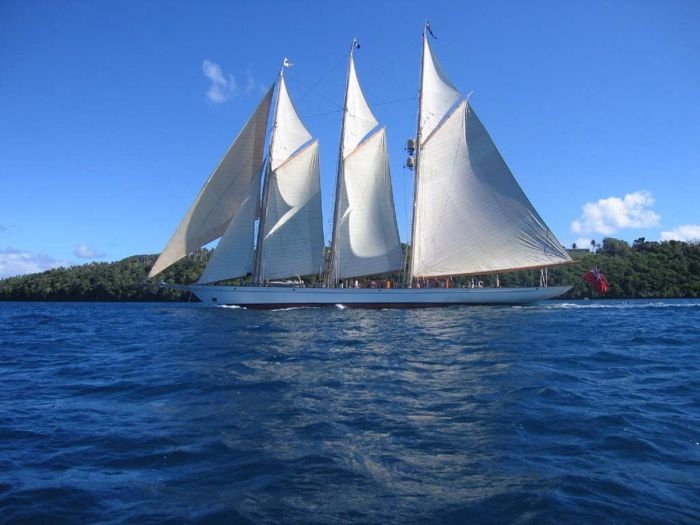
pixel 471 215
pixel 233 256
pixel 289 133
pixel 367 241
pixel 222 194
pixel 359 120
pixel 293 236
pixel 438 93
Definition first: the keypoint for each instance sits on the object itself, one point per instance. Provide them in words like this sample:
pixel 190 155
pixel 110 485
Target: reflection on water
pixel 531 414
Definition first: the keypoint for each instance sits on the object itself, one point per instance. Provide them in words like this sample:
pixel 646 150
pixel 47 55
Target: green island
pixel 669 269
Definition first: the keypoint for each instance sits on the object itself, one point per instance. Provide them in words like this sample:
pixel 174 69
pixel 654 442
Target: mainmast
pixel 331 276
pixel 258 270
pixel 409 277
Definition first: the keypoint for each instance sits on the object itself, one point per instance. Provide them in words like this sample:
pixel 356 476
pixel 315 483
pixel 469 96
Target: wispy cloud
pixel 223 86
pixel 84 251
pixel 19 262
pixel 685 232
pixel 606 216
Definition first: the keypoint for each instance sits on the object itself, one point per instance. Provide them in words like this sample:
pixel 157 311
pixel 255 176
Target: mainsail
pixel 365 234
pixel 221 197
pixel 470 214
pixel 291 240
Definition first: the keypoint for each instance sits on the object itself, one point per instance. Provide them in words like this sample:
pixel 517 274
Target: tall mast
pixel 258 270
pixel 333 262
pixel 409 279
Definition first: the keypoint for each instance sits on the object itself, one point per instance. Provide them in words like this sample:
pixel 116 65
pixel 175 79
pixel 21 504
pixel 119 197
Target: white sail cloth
pixel 233 256
pixel 222 195
pixel 367 237
pixel 293 235
pixel 291 223
pixel 288 133
pixel 358 117
pixel 471 215
pixel 438 94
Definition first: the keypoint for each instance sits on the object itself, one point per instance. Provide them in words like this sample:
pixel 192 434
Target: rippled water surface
pixel 585 412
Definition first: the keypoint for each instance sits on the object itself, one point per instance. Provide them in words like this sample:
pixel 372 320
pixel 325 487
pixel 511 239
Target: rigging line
pixel 312 88
pixel 392 64
pixel 322 114
pixel 334 65
pixel 394 101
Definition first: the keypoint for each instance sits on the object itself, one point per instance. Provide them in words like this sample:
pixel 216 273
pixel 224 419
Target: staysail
pixel 470 214
pixel 291 243
pixel 365 233
pixel 221 197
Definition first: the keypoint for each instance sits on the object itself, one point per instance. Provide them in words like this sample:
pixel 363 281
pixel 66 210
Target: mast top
pixel 355 45
pixel 285 63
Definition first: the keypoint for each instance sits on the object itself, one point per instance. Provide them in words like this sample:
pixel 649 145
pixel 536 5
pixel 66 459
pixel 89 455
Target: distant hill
pixel 642 270
pixel 123 280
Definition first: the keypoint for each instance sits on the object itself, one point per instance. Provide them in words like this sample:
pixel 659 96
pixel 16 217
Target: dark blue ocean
pixel 566 412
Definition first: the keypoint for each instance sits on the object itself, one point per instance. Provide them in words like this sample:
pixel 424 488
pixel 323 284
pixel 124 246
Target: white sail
pixel 471 216
pixel 359 120
pixel 367 237
pixel 293 232
pixel 289 133
pixel 222 194
pixel 438 94
pixel 365 234
pixel 233 256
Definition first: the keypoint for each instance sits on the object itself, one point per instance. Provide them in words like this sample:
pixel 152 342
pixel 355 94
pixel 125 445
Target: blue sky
pixel 113 114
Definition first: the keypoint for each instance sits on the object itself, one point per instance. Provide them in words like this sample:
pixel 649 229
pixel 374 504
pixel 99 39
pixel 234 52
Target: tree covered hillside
pixel 642 270
pixel 123 280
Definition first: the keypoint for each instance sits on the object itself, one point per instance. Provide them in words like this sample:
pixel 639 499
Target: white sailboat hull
pixel 284 297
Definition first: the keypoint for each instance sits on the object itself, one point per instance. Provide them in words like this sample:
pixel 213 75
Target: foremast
pixel 257 272
pixel 332 273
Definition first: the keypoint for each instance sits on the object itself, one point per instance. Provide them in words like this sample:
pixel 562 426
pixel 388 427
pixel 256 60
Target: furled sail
pixel 471 216
pixel 292 226
pixel 365 234
pixel 223 193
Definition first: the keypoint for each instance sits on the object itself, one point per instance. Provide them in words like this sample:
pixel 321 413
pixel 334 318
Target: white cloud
pixel 614 213
pixel 223 86
pixel 17 262
pixel 84 251
pixel 686 232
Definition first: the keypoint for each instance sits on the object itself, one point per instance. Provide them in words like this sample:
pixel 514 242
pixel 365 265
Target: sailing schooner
pixel 470 216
